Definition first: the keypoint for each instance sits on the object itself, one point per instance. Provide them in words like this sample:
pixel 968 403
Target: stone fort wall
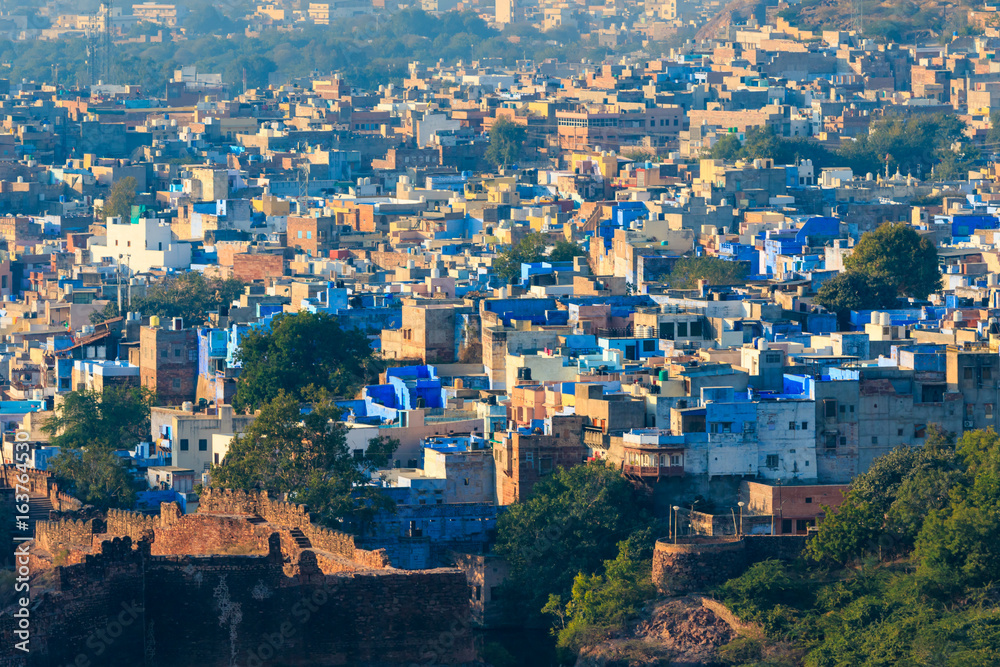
pixel 700 564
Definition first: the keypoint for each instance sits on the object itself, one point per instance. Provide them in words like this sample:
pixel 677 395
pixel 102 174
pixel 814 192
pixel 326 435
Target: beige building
pixel 191 436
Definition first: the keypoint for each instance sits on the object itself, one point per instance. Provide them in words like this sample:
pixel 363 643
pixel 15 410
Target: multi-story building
pixel 168 361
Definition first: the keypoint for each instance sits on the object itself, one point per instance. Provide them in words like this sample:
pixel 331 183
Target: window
pixel 987 373
pixel 177 352
pixel 184 444
pixel 831 442
pixel 648 345
pixel 675 460
pixel 682 329
pixel 831 408
pixel 216 458
pixel 772 461
pixel 874 439
pixel 805 426
pixel 479 592
pixel 696 330
pixel 202 445
pixel 808 500
pixel 164 353
pixel 967 373
pixel 300 233
pixel 791 426
pixel 749 427
pixel 899 431
pixel 309 235
pixel 176 384
pixel 988 410
pixel 843 440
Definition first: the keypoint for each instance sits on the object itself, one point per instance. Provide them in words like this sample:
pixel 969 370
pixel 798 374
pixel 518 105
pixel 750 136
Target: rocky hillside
pixel 676 631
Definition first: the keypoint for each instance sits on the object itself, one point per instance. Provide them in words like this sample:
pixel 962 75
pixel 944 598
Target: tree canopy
pixel 686 273
pixel 899 256
pixel 856 290
pixel 299 354
pixel 565 251
pixel 919 536
pixel 96 476
pixel 117 418
pixel 120 199
pixel 530 249
pixel 89 426
pixel 303 452
pixel 506 141
pixel 571 524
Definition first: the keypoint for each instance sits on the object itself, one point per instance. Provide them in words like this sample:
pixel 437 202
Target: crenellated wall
pixel 284 514
pixel 39 483
pixel 215 611
pixel 65 534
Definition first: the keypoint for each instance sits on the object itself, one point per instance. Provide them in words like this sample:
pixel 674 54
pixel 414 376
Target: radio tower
pixel 858 16
pixel 108 60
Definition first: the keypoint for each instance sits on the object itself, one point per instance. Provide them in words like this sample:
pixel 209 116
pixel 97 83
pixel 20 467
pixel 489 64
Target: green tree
pixel 727 148
pixel 301 353
pixel 571 524
pixel 304 453
pixel 96 476
pixel 898 255
pixel 855 290
pixel 530 249
pixel 120 199
pixel 189 295
pixel 110 311
pixel 606 601
pixel 506 141
pixel 686 273
pixel 565 251
pixel 909 145
pixel 117 418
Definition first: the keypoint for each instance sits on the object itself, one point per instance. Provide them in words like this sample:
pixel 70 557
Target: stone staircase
pixel 38 510
pixel 301 541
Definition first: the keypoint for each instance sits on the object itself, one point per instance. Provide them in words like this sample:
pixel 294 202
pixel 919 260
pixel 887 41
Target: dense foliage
pixel 905 572
pixel 303 452
pixel 369 50
pixel 300 354
pixel 764 143
pixel 119 201
pixel 899 256
pixel 565 251
pixel 605 601
pixel 686 273
pixel 916 145
pixel 530 249
pixel 570 526
pixel 89 426
pixel 855 290
pixel 506 141
pixel 116 418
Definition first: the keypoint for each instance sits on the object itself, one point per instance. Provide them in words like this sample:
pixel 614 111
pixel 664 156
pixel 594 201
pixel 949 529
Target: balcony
pixel 653 472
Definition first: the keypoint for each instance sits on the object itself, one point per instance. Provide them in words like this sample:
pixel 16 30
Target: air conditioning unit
pixel 968 423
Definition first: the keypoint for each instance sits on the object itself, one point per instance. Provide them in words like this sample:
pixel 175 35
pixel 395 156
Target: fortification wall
pixel 201 534
pixel 283 514
pixel 699 566
pixel 213 611
pixel 39 483
pixel 64 534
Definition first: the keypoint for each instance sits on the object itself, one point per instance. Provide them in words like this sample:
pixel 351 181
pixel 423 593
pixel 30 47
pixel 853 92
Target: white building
pixel 147 244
